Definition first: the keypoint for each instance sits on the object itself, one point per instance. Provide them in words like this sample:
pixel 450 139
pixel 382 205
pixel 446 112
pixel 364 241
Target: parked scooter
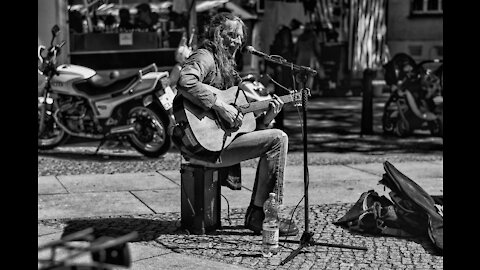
pixel 77 101
pixel 416 101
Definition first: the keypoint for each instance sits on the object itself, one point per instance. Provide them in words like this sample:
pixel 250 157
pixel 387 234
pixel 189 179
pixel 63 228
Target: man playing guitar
pixel 204 109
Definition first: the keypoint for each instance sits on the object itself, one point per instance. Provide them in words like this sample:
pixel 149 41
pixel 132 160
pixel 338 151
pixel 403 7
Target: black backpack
pixel 410 212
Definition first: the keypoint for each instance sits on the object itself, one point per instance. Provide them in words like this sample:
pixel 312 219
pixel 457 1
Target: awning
pixel 207 5
pixel 162 7
pixel 235 9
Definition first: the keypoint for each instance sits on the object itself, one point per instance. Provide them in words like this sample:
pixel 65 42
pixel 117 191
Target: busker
pixel 213 65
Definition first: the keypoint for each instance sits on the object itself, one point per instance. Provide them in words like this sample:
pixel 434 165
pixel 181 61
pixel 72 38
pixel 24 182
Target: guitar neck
pixel 263 104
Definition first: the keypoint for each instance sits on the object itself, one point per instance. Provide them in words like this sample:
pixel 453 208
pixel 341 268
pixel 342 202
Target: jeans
pixel 271 145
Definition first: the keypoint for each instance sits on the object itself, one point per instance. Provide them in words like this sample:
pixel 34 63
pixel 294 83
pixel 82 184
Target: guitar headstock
pixel 297 96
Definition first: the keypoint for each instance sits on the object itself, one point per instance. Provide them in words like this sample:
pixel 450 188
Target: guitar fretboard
pixel 263 104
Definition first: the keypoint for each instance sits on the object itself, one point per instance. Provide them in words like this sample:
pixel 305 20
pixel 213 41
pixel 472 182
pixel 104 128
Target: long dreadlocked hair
pixel 213 42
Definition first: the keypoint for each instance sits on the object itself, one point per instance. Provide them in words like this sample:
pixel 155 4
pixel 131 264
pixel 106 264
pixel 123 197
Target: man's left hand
pixel 276 105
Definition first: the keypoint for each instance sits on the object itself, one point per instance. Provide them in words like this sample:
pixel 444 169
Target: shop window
pixel 436 51
pixel 260 6
pixel 415 50
pixel 427 7
pixel 439 50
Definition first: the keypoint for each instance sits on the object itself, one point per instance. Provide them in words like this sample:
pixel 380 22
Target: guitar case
pixel 411 211
pixel 410 198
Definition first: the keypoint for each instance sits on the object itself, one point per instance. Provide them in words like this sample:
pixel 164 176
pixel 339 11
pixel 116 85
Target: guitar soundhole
pixel 226 126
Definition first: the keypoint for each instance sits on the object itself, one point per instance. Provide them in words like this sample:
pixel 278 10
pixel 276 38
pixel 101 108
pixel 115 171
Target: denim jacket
pixel 200 69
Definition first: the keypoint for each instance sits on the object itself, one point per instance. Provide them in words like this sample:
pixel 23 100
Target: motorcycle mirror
pixel 55 30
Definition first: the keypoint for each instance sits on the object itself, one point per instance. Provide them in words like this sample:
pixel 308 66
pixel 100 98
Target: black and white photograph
pixel 241 134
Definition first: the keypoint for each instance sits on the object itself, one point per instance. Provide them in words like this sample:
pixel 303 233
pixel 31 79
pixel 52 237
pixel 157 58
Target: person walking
pixel 307 52
pixel 283 46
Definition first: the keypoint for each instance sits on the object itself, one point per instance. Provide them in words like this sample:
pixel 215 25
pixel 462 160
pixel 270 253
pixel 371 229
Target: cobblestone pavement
pixel 238 246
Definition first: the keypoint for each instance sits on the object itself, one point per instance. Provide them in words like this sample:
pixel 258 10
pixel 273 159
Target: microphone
pixel 252 50
pixel 279 60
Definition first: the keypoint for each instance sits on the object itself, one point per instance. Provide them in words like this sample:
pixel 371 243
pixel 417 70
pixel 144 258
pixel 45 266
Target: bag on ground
pixel 410 212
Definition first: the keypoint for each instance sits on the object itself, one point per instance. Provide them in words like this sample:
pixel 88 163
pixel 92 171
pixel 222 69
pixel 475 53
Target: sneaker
pixel 254 220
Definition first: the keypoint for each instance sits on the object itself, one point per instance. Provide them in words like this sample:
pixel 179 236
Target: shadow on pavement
pixel 334 125
pixel 367 144
pixel 147 229
pixel 89 156
pixel 424 241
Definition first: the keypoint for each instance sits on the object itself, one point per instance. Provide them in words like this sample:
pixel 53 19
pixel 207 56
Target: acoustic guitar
pixel 206 130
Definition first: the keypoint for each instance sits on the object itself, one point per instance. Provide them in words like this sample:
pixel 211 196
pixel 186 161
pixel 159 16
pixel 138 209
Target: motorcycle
pixel 416 101
pixel 76 101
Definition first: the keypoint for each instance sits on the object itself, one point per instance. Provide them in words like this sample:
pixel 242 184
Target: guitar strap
pixel 236 94
pixel 219 159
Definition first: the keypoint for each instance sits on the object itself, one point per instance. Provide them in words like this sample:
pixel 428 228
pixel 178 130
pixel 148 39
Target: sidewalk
pixel 150 204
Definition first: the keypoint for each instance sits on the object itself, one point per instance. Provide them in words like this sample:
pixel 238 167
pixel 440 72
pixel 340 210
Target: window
pixel 427 7
pixel 260 6
pixel 415 50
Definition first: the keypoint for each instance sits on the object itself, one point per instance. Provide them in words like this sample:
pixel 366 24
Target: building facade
pixel 415 27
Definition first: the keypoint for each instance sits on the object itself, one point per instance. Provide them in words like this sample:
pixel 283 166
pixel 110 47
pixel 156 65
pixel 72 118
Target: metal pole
pixel 367 103
pixel 192 21
pixel 305 158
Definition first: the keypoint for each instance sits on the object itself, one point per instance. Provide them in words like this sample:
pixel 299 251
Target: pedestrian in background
pixel 145 19
pixel 283 46
pixel 307 53
pixel 125 20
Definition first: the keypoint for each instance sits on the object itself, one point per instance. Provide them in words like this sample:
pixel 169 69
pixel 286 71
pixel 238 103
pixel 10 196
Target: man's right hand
pixel 229 113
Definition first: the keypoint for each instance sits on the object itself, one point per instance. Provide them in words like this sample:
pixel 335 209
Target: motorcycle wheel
pixel 402 128
pixel 436 128
pixel 150 137
pixel 52 134
pixel 388 124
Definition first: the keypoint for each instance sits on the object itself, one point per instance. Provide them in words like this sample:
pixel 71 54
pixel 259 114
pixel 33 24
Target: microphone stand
pixel 307 236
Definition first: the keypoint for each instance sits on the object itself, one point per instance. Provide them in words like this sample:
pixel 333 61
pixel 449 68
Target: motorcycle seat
pixel 98 85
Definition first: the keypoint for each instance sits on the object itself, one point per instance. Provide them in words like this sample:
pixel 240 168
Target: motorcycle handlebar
pixel 430 61
pixel 41 48
pixel 53 51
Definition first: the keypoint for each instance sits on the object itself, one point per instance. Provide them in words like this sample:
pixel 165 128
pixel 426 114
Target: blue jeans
pixel 271 145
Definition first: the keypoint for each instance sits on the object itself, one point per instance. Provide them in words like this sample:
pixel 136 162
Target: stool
pixel 200 197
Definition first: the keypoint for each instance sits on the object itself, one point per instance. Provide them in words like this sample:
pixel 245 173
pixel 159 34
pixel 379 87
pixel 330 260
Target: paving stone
pixel 88 204
pixel 115 182
pixel 50 185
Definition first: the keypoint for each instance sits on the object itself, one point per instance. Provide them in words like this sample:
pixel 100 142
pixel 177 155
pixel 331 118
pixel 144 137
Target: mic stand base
pixel 307 240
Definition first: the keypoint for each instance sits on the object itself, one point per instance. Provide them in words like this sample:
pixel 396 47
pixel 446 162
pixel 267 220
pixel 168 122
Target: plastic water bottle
pixel 270 232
